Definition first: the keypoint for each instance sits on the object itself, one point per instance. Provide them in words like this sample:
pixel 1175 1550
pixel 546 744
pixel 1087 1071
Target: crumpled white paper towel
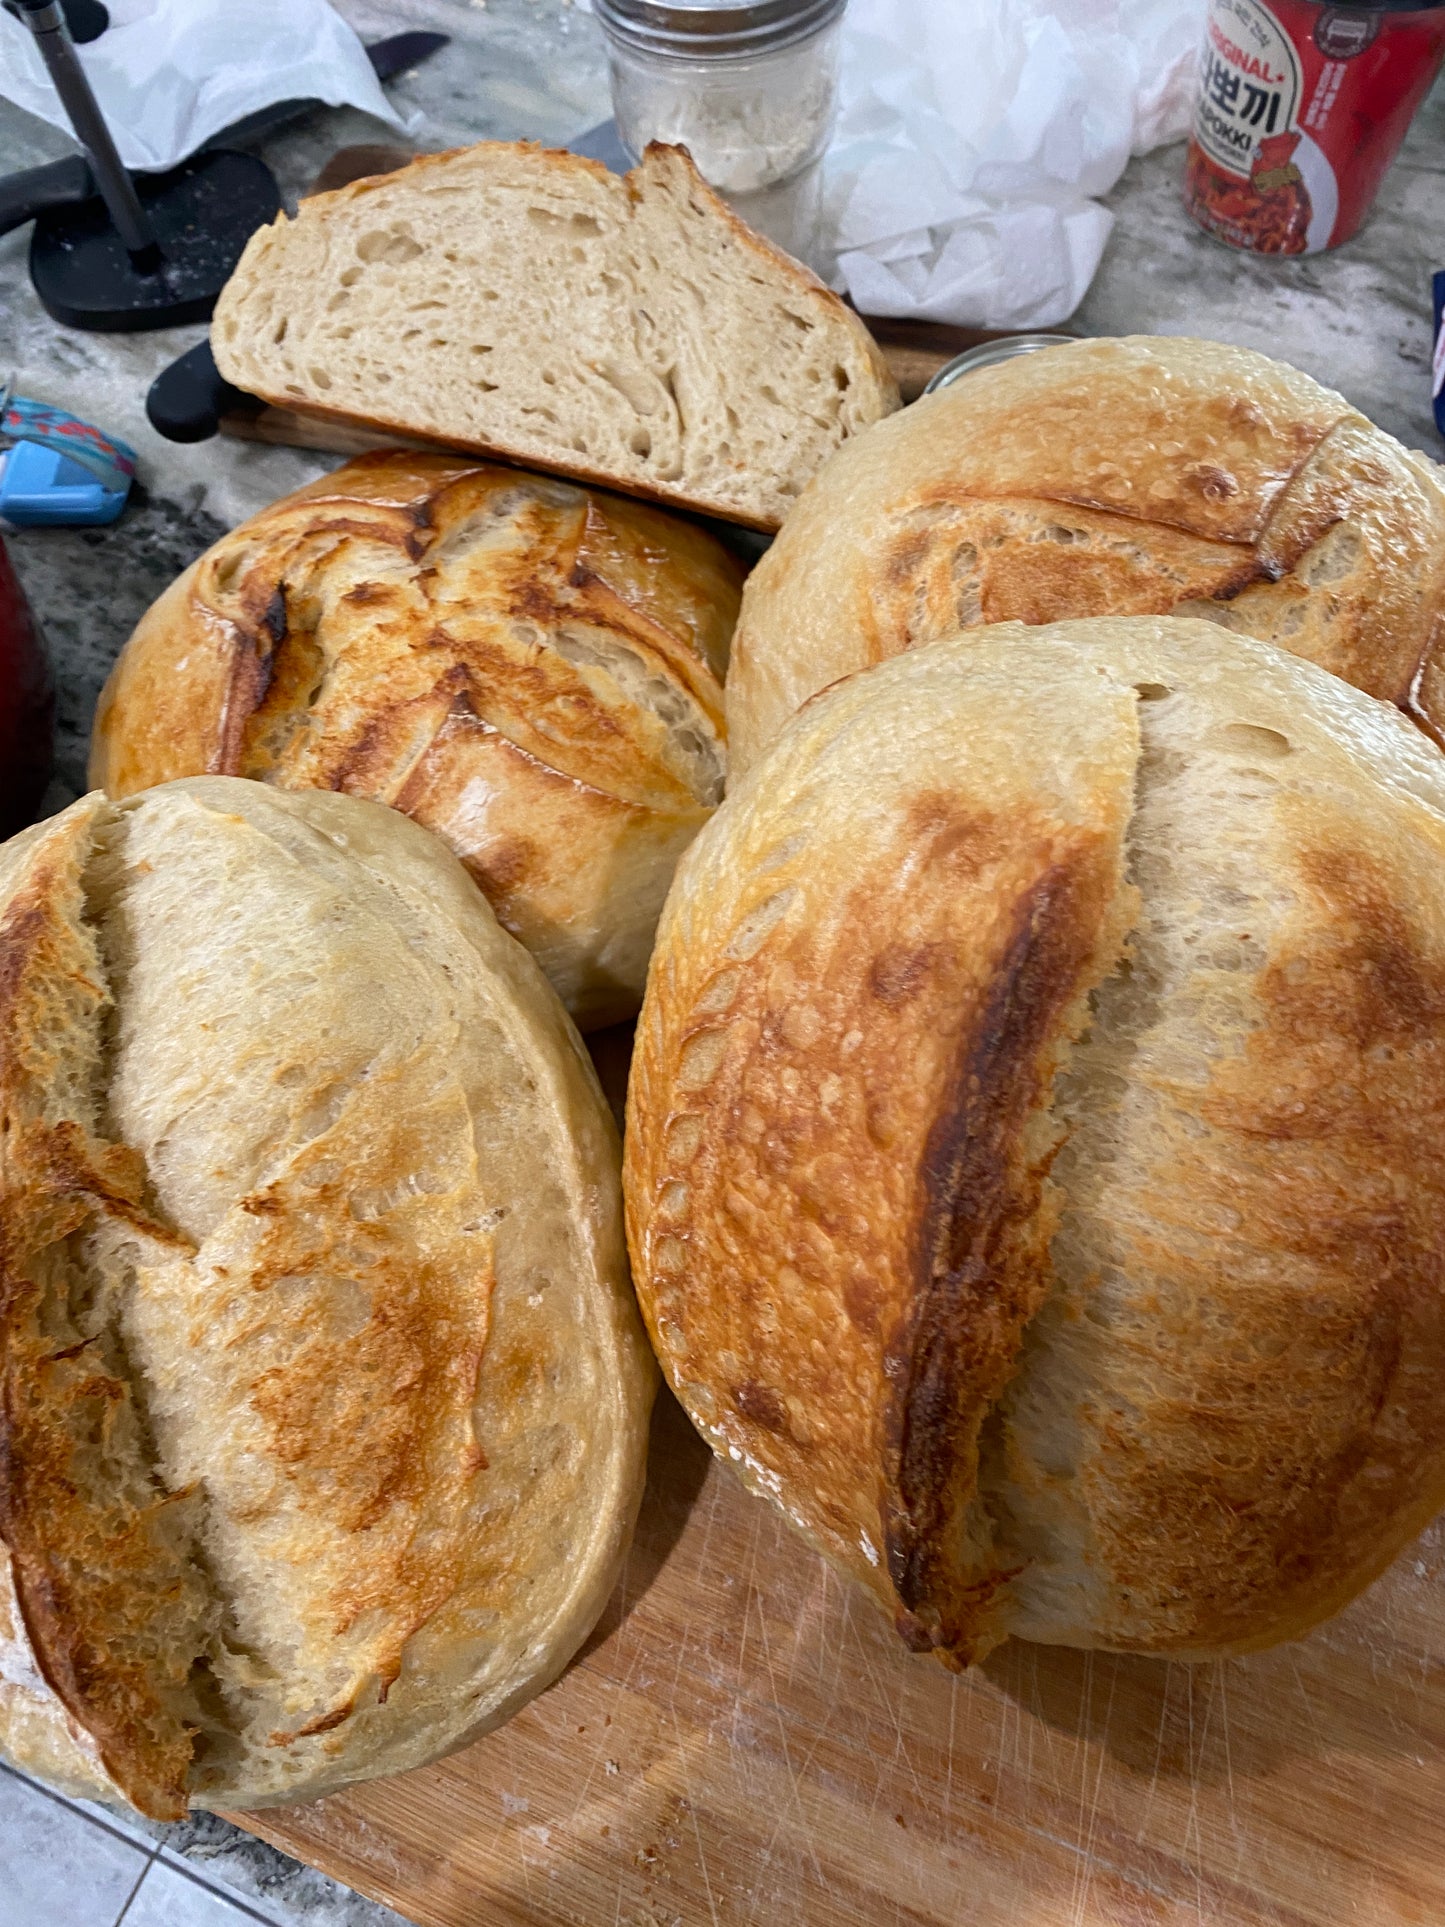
pixel 171 73
pixel 972 138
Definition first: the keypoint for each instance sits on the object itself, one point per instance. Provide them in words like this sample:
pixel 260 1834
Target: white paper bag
pixel 171 73
pixel 973 135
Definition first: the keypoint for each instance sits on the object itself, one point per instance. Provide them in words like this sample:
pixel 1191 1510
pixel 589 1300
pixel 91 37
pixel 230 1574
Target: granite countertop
pixel 1357 320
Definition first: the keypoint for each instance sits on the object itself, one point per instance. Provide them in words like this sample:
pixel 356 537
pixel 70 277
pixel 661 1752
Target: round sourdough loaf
pixel 1036 1140
pixel 1144 476
pixel 324 1398
pixel 532 670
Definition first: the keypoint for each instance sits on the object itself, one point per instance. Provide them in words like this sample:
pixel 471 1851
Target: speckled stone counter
pixel 1358 320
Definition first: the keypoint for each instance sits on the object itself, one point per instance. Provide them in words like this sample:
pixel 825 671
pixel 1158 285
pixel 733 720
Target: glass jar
pixel 749 87
pixel 989 353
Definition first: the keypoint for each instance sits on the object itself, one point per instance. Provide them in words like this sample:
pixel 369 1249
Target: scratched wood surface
pixel 743 1742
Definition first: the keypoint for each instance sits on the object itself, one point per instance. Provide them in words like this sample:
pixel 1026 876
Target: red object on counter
pixel 1302 108
pixel 27 705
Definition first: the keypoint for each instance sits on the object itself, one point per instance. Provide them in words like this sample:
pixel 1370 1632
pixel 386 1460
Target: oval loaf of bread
pixel 532 670
pixel 520 301
pixel 1144 476
pixel 1036 1141
pixel 324 1394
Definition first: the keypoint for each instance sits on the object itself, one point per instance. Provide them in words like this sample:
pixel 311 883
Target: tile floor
pixel 68 1863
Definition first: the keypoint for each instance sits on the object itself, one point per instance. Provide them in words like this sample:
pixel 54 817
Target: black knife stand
pixel 149 251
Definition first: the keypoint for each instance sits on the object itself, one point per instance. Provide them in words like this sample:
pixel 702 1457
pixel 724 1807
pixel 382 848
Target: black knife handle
pixel 63 183
pixel 187 400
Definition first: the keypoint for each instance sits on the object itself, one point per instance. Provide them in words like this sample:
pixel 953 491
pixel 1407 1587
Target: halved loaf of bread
pixel 526 303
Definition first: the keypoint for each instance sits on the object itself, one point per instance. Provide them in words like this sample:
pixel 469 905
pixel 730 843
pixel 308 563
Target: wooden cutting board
pixel 744 1740
pixel 745 1743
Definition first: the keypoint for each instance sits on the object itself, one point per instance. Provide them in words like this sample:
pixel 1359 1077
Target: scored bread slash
pixel 1145 475
pixel 518 301
pixel 529 669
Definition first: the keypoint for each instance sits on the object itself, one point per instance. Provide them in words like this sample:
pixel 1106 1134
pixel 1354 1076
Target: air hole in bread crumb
pixel 280 334
pixel 320 378
pixel 394 245
pixel 1151 692
pixel 1252 739
pixel 640 442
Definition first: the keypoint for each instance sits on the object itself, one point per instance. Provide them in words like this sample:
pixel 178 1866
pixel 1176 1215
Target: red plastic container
pixel 26 706
pixel 1302 107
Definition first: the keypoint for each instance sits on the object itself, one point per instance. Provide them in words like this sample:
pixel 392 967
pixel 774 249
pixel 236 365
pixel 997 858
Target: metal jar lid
pixel 714 29
pixel 989 352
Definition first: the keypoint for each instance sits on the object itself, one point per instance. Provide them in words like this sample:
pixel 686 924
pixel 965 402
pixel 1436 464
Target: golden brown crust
pixel 1114 477
pixel 1325 1145
pixel 833 1166
pixel 323 1398
pixel 408 437
pixel 95 1587
pixel 532 671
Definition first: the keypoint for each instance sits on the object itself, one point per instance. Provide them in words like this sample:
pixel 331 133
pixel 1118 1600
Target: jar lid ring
pixel 714 29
